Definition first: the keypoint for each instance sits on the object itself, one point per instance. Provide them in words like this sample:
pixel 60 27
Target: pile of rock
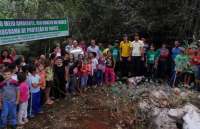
pixel 165 107
pixel 161 107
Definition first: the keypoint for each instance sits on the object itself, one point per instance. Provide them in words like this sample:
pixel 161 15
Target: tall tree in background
pixel 108 19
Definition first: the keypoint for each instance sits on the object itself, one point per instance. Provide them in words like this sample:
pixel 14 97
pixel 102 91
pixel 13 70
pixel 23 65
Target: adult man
pixel 125 55
pixel 137 55
pixel 76 50
pixel 70 45
pixel 176 50
pixel 83 45
pixel 94 48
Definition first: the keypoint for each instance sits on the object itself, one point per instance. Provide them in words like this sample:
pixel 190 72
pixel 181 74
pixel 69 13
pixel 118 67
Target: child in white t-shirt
pixel 94 63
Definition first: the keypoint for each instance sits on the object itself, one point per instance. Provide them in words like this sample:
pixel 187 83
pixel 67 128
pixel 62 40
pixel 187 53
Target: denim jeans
pixel 84 81
pixel 73 82
pixel 196 69
pixel 8 114
pixel 99 77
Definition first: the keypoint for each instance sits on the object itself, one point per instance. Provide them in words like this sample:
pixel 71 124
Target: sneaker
pixel 21 123
pixel 26 120
pixel 32 116
pixel 41 112
pixel 95 86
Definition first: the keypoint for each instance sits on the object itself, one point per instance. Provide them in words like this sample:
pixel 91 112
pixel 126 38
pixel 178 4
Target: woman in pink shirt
pixel 24 96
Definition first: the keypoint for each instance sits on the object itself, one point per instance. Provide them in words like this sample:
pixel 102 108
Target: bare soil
pixel 95 110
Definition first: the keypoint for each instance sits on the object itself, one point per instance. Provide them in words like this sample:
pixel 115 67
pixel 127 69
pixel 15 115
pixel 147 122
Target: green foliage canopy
pixel 107 20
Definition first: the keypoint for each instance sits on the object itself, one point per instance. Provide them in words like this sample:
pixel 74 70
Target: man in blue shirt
pixel 176 50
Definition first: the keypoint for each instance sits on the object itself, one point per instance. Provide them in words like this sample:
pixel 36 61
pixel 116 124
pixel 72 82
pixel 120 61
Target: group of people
pixel 27 85
pixel 175 66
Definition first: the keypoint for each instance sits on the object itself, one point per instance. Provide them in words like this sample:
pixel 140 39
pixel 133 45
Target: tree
pixel 106 20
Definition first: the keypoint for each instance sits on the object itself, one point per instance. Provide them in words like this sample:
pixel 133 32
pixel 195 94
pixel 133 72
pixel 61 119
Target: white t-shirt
pixel 94 49
pixel 94 64
pixel 68 48
pixel 76 52
pixel 136 48
pixel 14 77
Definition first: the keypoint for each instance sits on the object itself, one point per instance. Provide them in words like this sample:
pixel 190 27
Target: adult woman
pixel 5 57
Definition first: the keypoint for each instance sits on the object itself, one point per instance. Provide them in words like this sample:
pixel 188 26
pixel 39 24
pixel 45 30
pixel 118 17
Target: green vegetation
pixel 107 20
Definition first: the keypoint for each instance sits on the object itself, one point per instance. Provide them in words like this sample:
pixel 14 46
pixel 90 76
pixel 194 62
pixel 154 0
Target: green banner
pixel 15 31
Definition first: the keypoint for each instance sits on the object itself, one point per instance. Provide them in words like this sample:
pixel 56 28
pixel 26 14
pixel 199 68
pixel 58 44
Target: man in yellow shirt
pixel 125 55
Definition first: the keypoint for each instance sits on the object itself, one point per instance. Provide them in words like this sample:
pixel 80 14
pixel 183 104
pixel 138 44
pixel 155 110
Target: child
pixel 9 98
pixel 101 70
pixel 77 73
pixel 94 63
pixel 35 100
pixel 73 78
pixel 66 58
pixel 151 59
pixel 181 65
pixel 42 83
pixel 116 55
pixel 163 62
pixel 42 74
pixel 109 71
pixel 23 101
pixel 57 50
pixel 14 69
pixel 84 73
pixel 49 80
pixel 71 60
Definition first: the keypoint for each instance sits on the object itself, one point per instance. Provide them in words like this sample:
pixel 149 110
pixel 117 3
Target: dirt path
pixel 89 112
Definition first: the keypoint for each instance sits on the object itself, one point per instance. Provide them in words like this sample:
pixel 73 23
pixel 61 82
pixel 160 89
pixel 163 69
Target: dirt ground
pixel 95 110
pixel 116 107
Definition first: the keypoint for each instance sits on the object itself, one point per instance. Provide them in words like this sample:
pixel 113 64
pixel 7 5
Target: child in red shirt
pixel 85 72
pixel 23 100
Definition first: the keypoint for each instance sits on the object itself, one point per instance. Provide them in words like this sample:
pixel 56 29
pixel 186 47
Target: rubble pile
pixel 158 102
pixel 133 104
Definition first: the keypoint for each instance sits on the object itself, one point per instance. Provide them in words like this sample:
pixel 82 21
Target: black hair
pixel 47 63
pixel 21 77
pixel 52 56
pixel 12 66
pixel 32 69
pixel 18 61
pixel 59 57
pixel 125 35
pixel 66 53
pixel 6 64
pixel 25 68
pixel 94 54
pixel 5 50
